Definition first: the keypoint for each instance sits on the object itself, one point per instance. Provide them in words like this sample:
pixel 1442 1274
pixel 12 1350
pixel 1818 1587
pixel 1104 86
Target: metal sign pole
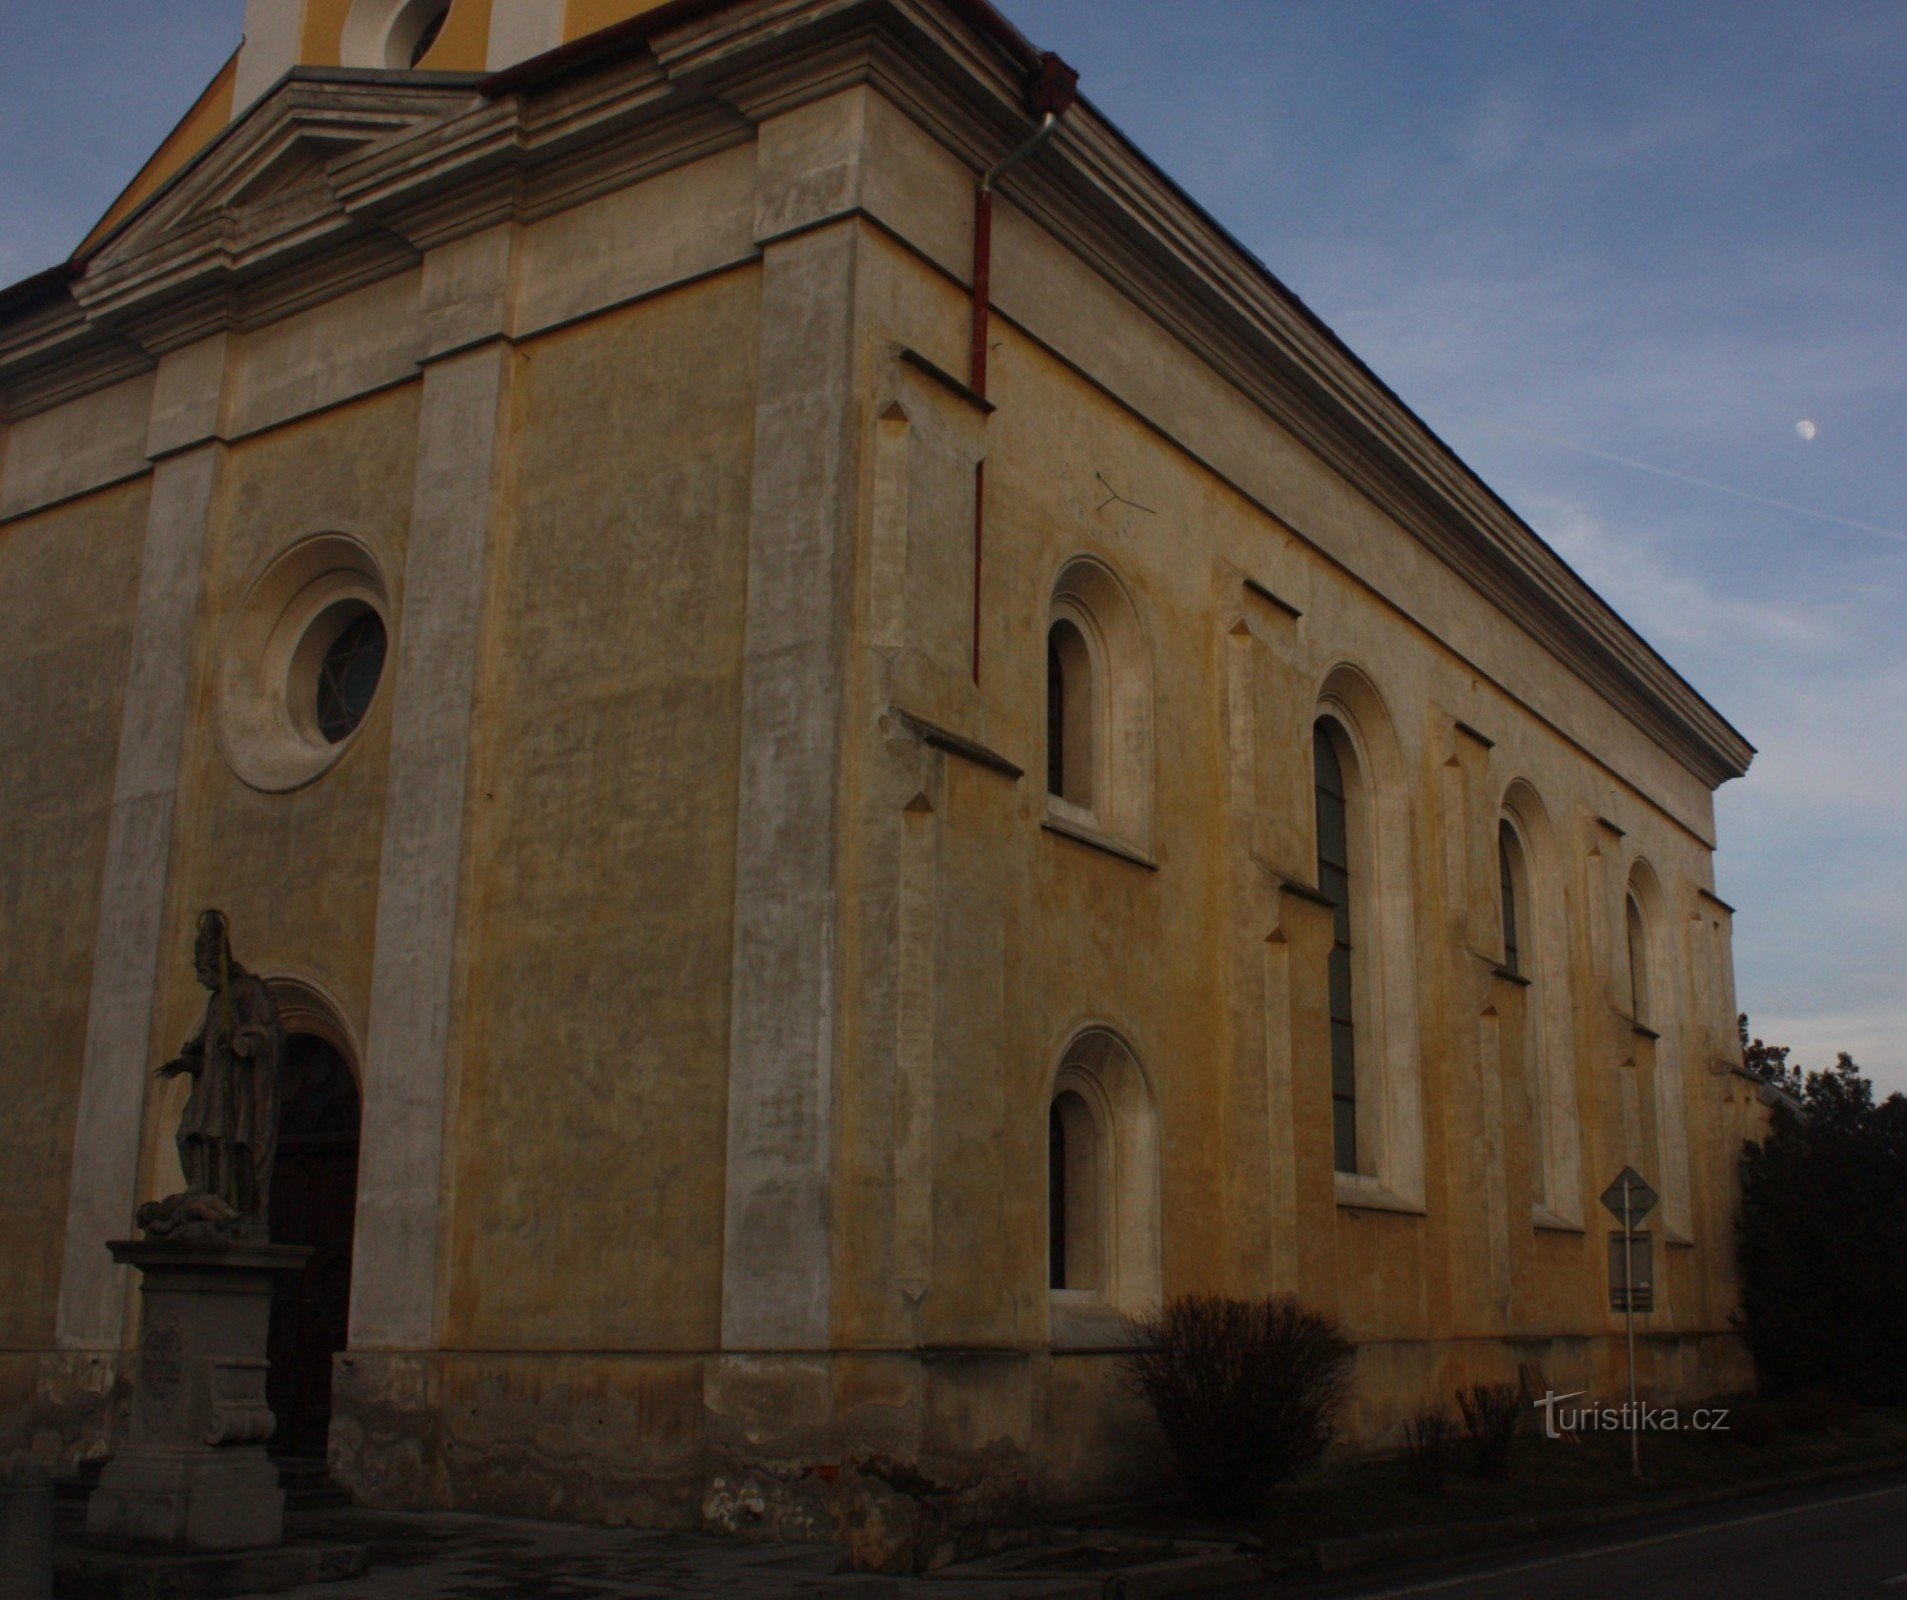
pixel 1629 1320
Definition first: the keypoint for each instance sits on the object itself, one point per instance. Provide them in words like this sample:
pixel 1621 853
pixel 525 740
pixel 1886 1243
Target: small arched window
pixel 1641 1006
pixel 1334 882
pixel 1073 1194
pixel 1102 1177
pixel 1069 715
pixel 1098 709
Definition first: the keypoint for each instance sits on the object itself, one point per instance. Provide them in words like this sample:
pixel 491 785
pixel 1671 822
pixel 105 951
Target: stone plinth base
pixel 193 1473
pixel 87 1572
pixel 193 1499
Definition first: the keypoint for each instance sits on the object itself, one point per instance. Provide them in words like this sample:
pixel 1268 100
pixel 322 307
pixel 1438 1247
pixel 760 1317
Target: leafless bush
pixel 1491 1412
pixel 1244 1391
pixel 1430 1438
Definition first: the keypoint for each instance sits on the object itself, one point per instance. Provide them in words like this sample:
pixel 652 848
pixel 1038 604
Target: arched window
pixel 1641 1001
pixel 1074 1194
pixel 1102 1180
pixel 1657 1004
pixel 1509 854
pixel 1069 715
pixel 1535 942
pixel 1334 882
pixel 1362 804
pixel 1098 709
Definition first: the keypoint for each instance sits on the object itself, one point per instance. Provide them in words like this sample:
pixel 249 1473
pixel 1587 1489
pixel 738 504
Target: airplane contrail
pixel 1699 483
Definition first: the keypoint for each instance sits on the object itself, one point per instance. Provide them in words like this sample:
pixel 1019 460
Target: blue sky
pixel 1582 241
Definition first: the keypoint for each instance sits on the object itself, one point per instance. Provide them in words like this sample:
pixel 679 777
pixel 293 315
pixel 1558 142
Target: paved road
pixel 1826 1543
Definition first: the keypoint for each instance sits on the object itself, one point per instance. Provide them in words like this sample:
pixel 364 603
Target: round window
pixel 349 669
pixel 395 34
pixel 303 662
pixel 433 26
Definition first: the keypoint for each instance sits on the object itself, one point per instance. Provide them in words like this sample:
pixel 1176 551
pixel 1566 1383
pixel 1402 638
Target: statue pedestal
pixel 192 1472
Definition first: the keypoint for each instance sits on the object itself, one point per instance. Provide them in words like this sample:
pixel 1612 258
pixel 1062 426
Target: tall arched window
pixel 1509 853
pixel 1069 715
pixel 1535 937
pixel 1641 1006
pixel 1334 882
pixel 1362 802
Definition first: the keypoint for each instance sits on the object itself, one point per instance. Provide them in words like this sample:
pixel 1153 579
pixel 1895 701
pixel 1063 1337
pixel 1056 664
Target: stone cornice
pixel 402 163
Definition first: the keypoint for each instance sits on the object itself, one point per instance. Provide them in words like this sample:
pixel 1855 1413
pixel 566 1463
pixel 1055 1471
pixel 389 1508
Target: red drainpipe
pixel 1051 92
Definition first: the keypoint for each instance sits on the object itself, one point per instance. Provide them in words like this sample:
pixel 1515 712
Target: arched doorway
pixel 313 1202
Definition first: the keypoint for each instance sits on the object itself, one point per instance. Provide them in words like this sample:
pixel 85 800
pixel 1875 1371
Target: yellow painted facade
pixel 691 904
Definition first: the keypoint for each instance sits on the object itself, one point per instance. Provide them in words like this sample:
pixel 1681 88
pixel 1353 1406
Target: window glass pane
pixel 348 675
pixel 1055 716
pixel 1326 771
pixel 1344 1134
pixel 1638 963
pixel 1334 883
pixel 1340 986
pixel 1512 954
pixel 1343 1061
pixel 1055 1199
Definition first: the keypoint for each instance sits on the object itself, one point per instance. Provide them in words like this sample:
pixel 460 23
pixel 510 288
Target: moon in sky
pixel 1805 428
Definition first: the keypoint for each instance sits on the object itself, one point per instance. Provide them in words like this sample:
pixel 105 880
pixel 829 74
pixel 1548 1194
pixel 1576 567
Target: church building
pixel 853 747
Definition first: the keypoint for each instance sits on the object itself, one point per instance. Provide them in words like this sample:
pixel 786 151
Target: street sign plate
pixel 1629 1199
pixel 1631 1283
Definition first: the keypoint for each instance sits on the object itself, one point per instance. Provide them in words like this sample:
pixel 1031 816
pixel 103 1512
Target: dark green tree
pixel 1822 1234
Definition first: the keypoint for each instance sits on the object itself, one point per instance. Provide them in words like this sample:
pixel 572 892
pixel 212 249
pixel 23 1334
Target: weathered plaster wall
pixel 1053 934
pixel 596 1003
pixel 296 872
pixel 68 582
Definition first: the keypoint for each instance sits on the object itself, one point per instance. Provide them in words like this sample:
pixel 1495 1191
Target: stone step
pixel 94 1570
pixel 307 1485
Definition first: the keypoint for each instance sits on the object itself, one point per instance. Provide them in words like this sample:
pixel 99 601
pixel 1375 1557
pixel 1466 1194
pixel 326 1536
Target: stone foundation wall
pixel 1396 1377
pixel 912 1460
pixel 61 1409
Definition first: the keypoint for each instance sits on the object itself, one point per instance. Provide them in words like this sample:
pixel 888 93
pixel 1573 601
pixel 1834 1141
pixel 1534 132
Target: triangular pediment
pixel 276 157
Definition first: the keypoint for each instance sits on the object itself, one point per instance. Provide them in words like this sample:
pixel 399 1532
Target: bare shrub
pixel 1244 1391
pixel 1430 1439
pixel 1491 1412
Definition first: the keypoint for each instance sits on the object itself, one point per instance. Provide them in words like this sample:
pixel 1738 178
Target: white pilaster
pixel 462 439
pixel 274 30
pixel 776 1285
pixel 520 29
pixel 187 403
